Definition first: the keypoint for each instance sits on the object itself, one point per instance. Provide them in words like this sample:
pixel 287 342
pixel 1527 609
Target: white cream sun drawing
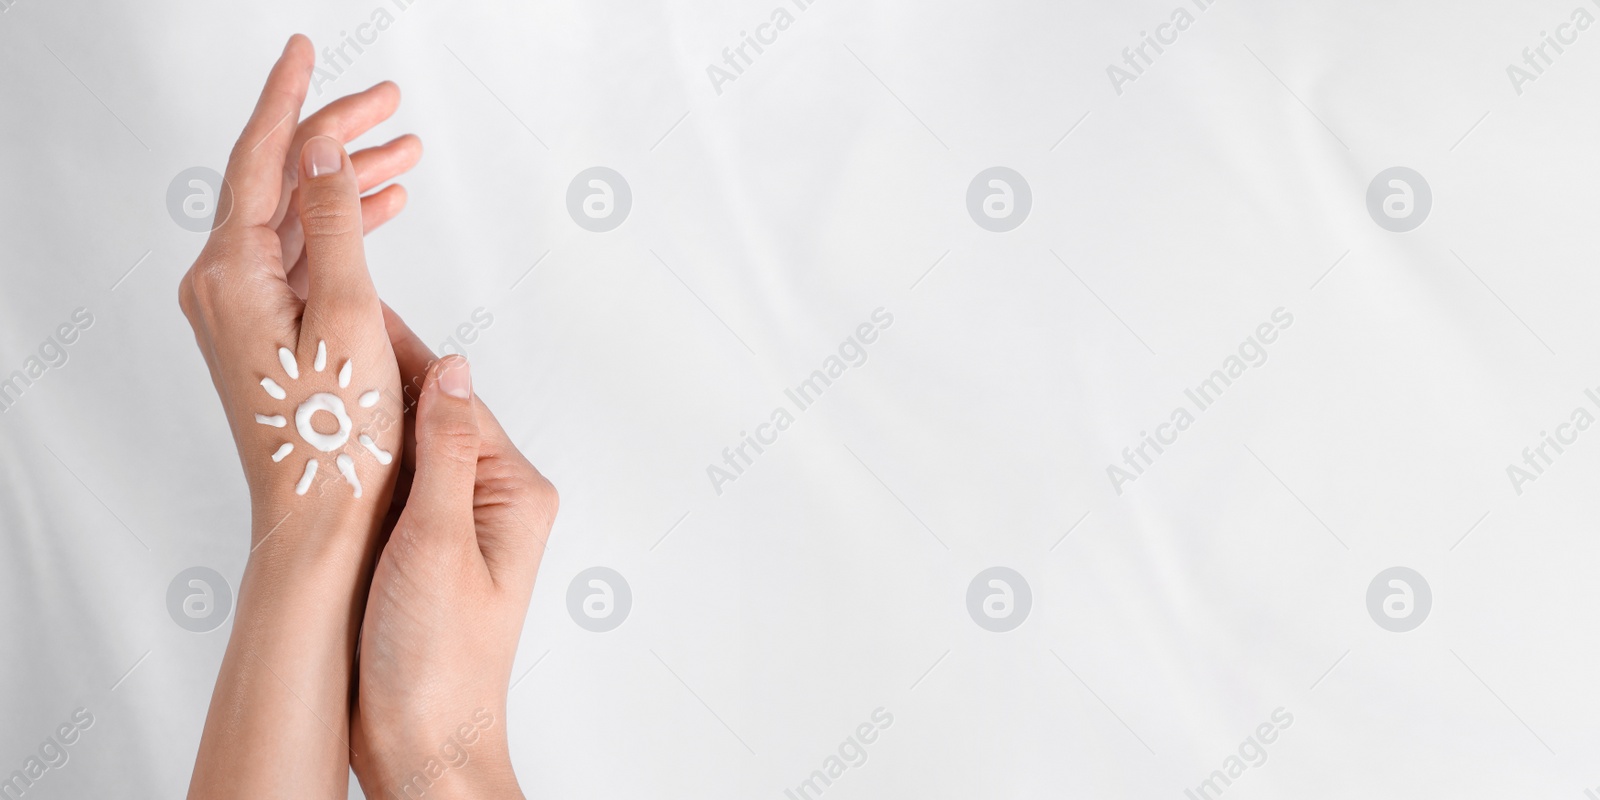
pixel 329 403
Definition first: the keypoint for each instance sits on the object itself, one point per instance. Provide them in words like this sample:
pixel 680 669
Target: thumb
pixel 330 217
pixel 447 449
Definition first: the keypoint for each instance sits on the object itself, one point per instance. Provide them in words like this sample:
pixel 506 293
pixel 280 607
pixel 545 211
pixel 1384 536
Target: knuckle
pixel 206 284
pixel 547 499
pixel 186 300
pixel 328 215
pixel 240 153
pixel 545 494
pixel 453 442
pixel 340 303
pixel 540 496
pixel 524 485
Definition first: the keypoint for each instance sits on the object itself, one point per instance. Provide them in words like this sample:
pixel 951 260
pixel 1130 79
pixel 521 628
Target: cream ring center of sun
pixel 322 401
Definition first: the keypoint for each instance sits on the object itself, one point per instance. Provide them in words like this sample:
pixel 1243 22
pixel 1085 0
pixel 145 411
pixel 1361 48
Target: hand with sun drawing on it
pixel 281 301
pixel 290 325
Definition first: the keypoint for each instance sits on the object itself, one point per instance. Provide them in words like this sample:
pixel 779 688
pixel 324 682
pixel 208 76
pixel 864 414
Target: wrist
pixel 305 585
pixel 307 533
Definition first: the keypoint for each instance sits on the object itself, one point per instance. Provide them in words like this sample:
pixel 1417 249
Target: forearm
pixel 278 722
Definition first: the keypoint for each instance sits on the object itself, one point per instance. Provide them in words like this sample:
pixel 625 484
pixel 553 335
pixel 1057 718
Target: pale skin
pixel 432 566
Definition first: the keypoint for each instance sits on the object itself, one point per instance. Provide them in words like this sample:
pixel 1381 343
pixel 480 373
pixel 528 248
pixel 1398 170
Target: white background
pixel 768 222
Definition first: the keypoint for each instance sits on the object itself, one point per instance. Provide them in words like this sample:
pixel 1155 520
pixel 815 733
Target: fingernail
pixel 322 156
pixel 455 377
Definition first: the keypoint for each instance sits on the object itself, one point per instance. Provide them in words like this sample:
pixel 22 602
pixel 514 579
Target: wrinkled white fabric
pixel 810 213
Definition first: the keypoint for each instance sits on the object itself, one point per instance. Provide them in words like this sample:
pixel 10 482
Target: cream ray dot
pixel 273 388
pixel 344 374
pixel 383 456
pixel 285 450
pixel 286 358
pixel 368 399
pixel 322 356
pixel 305 480
pixel 347 468
pixel 276 420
